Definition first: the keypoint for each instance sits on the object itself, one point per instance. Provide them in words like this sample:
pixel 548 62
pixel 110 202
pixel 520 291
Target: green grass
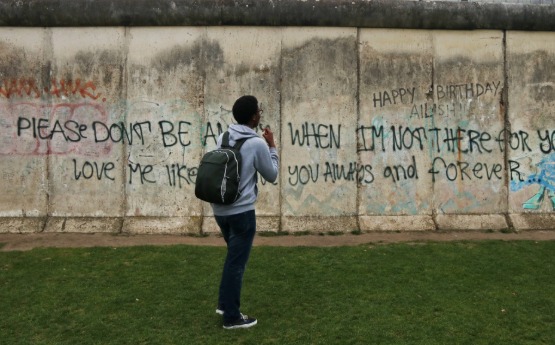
pixel 423 293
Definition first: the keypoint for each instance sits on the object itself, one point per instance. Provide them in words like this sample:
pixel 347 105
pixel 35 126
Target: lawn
pixel 491 292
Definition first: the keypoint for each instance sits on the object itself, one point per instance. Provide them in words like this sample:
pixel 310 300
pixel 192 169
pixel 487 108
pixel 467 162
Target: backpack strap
pixel 225 139
pixel 238 143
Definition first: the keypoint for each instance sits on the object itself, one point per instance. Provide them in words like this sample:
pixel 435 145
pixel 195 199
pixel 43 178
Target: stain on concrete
pixel 15 62
pixel 88 63
pixel 544 92
pixel 532 68
pixel 179 71
pixel 242 69
pixel 532 77
pixel 395 69
pixel 462 69
pixel 541 80
pixel 329 64
pixel 201 54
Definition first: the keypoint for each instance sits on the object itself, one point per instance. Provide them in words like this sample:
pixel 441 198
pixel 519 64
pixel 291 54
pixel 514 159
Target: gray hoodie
pixel 256 157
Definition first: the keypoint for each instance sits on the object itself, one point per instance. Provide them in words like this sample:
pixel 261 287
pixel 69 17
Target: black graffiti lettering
pixel 401 96
pixel 22 124
pixel 423 111
pixel 467 91
pixel 179 174
pixel 478 140
pixel 332 138
pixel 168 138
pixel 69 130
pixel 331 172
pixel 143 172
pixel 405 139
pixel 454 171
pixel 101 132
pixel 516 140
pixel 192 174
pixel 138 129
pixel 369 144
pixel 337 172
pixel 452 138
pixel 477 169
pixel 547 142
pixel 303 174
pixel 445 110
pixel 451 172
pixel 307 174
pixel 513 166
pixel 324 136
pixel 439 92
pixel 294 173
pixel 73 131
pixel 100 128
pixel 495 169
pixel 400 172
pixel 118 132
pixel 524 140
pixel 435 132
pixel 340 172
pixel 433 171
pixel 461 140
pixel 88 170
pixel 367 171
pixel 462 167
pixel 468 141
pixel 73 127
pixel 209 133
pixel 328 173
pixel 363 173
pixel 57 129
pixel 125 134
pixel 39 127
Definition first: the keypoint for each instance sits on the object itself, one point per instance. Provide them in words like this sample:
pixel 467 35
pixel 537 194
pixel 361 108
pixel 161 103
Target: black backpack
pixel 219 173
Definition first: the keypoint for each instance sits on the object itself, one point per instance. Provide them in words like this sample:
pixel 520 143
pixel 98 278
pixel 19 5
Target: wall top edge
pixel 443 15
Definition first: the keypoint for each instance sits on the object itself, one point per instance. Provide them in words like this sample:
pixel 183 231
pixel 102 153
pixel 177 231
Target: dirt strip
pixel 14 242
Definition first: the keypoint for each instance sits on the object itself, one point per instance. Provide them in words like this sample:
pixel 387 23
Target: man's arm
pixel 267 161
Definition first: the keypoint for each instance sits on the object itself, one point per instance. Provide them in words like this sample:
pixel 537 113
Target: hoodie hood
pixel 237 132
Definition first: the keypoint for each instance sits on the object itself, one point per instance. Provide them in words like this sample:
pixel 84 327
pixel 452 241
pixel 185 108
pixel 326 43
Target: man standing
pixel 237 221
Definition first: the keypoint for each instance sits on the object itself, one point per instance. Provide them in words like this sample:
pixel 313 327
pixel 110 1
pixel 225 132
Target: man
pixel 237 221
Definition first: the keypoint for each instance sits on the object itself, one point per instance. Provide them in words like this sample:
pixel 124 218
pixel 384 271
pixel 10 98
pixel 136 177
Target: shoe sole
pixel 219 312
pixel 246 325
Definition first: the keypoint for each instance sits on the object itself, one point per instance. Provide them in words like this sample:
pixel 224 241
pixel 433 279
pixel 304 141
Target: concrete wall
pixel 102 128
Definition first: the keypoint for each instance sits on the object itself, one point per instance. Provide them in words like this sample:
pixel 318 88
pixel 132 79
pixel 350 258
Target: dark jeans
pixel 238 231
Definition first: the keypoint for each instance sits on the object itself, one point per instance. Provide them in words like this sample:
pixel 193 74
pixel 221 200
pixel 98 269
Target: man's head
pixel 245 110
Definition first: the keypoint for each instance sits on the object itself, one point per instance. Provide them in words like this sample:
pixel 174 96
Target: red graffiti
pixel 40 129
pixel 20 88
pixel 68 87
pixel 58 88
